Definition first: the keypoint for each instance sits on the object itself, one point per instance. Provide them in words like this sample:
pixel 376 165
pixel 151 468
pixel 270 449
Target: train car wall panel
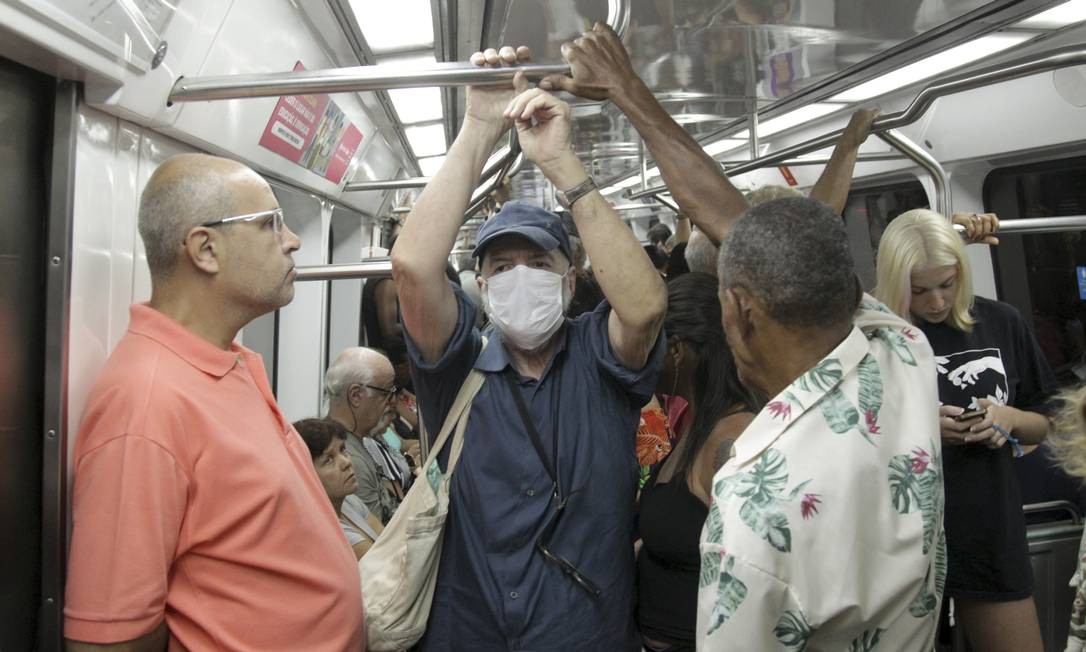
pixel 348 236
pixel 984 124
pixel 377 161
pixel 301 342
pixel 201 37
pixel 114 159
pixel 282 39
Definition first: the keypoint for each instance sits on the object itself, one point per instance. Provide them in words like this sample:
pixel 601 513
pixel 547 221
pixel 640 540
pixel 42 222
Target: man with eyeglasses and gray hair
pixel 360 388
pixel 198 521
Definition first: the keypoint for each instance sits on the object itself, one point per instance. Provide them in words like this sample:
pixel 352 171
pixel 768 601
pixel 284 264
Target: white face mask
pixel 527 305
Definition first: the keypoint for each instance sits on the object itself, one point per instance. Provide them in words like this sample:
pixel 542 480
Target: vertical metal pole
pixel 643 163
pixel 54 536
pixel 752 97
pixel 921 157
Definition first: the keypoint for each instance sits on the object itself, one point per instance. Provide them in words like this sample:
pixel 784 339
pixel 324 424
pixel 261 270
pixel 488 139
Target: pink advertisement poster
pixel 313 132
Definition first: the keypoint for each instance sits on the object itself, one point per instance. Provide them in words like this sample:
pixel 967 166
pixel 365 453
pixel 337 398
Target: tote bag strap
pixel 456 420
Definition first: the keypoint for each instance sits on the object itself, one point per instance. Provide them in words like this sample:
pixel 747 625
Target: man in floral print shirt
pixel 825 531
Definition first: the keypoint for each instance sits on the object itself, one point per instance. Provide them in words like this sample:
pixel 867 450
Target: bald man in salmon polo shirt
pixel 198 520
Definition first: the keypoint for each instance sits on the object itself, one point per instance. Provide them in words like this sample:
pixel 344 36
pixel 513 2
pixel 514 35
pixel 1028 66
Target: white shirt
pixel 825 530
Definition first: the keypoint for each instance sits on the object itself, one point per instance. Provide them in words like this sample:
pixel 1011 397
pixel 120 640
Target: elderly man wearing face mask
pixel 548 463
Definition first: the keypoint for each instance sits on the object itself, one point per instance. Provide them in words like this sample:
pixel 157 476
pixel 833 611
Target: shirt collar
pixel 799 397
pixel 495 357
pixel 190 347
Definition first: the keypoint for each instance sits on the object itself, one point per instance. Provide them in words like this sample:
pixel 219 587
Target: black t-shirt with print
pixel 999 360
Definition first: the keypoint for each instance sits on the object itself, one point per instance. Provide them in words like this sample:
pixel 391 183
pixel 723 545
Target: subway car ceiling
pixel 747 78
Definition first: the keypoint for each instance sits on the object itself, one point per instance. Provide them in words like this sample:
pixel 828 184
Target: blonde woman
pixel 991 377
pixel 1067 446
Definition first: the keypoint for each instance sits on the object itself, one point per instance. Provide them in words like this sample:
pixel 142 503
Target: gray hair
pixel 769 193
pixel 659 233
pixel 184 192
pixel 701 254
pixel 792 255
pixel 354 365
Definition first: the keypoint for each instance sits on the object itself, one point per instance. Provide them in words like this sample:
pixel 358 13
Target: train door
pixel 26 107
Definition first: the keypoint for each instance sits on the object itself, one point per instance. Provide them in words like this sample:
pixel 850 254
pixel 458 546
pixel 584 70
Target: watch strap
pixel 568 197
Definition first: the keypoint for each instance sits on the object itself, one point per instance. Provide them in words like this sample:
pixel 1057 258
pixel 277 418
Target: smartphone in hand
pixel 970 415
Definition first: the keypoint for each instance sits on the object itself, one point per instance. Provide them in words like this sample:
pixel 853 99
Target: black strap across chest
pixel 533 433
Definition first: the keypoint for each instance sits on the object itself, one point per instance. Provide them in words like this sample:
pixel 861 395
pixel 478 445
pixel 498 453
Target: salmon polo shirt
pixel 195 500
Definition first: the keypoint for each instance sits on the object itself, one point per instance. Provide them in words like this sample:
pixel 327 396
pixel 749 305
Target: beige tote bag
pixel 400 571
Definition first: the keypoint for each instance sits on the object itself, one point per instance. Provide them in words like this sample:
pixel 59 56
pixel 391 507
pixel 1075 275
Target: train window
pixel 1042 274
pixel 868 211
pixel 881 204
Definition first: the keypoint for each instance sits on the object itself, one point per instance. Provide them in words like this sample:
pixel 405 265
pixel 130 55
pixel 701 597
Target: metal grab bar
pixel 921 157
pixel 391 184
pixel 353 79
pixel 368 268
pixel 1069 56
pixel 506 166
pixel 1055 505
pixel 1037 225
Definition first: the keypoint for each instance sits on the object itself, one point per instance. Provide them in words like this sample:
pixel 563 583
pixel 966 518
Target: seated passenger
pixel 699 369
pixel 327 445
pixel 988 362
pixel 360 391
pixel 825 528
pixel 537 550
pixel 197 519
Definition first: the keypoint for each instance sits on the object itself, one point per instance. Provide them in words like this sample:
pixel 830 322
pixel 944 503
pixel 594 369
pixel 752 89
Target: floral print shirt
pixel 825 530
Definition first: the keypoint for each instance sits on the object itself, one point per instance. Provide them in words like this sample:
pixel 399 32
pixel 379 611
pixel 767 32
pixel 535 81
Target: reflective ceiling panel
pixel 711 62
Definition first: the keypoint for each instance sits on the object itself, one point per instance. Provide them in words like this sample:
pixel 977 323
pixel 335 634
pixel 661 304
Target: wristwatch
pixel 569 197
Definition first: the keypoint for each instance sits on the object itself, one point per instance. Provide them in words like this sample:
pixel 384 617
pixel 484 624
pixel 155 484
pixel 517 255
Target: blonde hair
pixel 913 241
pixel 1066 442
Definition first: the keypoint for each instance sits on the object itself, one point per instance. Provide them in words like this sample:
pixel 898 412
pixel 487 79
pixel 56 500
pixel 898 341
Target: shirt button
pixel 530 492
pixel 514 595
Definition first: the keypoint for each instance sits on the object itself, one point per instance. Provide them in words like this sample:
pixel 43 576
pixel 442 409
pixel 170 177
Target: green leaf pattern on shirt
pixel 870 303
pixel 792 630
pixel 763 489
pixel 916 484
pixel 867 641
pixel 730 593
pixel 896 342
pixel 821 377
pixel 842 416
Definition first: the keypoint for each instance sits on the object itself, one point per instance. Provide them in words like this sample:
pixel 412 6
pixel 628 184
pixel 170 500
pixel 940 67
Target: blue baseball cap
pixel 541 227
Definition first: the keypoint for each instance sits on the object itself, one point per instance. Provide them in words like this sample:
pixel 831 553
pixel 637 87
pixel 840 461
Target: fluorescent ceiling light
pixel 430 166
pixel 395 25
pixel 416 104
pixel 428 140
pixel 936 64
pixel 1059 16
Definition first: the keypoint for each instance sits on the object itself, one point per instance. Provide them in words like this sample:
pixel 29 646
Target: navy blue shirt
pixel 495 590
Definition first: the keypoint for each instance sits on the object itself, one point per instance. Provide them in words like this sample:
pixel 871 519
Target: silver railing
pixel 351 80
pixel 1061 58
pixel 1033 225
pixel 391 184
pixel 368 268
